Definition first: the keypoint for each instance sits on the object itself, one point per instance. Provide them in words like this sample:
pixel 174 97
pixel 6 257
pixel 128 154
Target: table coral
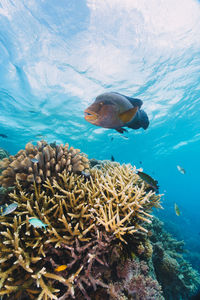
pixel 88 221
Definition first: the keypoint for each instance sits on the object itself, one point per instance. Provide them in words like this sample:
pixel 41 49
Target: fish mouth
pixel 90 115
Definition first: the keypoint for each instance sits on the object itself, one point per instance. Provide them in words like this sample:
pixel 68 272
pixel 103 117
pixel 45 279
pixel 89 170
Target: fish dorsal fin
pixel 128 115
pixel 134 101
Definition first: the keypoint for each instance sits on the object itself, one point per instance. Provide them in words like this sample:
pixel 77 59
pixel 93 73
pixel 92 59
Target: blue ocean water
pixel 57 56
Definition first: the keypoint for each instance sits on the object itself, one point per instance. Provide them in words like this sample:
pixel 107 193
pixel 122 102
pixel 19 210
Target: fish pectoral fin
pixel 127 115
pixel 121 130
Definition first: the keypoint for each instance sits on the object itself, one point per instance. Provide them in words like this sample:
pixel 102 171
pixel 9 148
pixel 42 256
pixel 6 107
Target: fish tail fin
pixel 140 120
pixel 144 120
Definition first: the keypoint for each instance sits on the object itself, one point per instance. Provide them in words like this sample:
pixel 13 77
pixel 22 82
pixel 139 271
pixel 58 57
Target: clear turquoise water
pixel 57 56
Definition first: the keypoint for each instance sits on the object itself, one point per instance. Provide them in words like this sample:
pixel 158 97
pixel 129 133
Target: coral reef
pixel 100 227
pixel 37 163
pixel 89 222
pixel 176 276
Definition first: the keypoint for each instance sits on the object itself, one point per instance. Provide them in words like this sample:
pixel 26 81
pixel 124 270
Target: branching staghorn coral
pixel 122 197
pixel 87 225
pixel 37 163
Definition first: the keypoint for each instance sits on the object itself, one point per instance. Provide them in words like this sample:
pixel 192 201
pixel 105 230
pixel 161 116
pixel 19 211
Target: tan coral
pixel 49 161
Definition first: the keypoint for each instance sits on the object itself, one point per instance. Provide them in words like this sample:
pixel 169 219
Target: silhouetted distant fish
pixel 3 135
pixel 181 170
pixel 177 210
pixel 112 138
pixel 140 162
pixel 112 158
pixel 148 179
pixel 114 110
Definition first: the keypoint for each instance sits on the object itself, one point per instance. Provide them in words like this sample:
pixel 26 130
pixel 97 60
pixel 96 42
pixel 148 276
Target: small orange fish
pixel 60 268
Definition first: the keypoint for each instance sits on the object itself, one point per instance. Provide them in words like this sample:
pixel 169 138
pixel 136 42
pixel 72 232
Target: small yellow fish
pixel 60 268
pixel 177 211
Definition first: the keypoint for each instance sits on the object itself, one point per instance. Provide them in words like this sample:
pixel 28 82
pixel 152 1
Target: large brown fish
pixel 113 110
